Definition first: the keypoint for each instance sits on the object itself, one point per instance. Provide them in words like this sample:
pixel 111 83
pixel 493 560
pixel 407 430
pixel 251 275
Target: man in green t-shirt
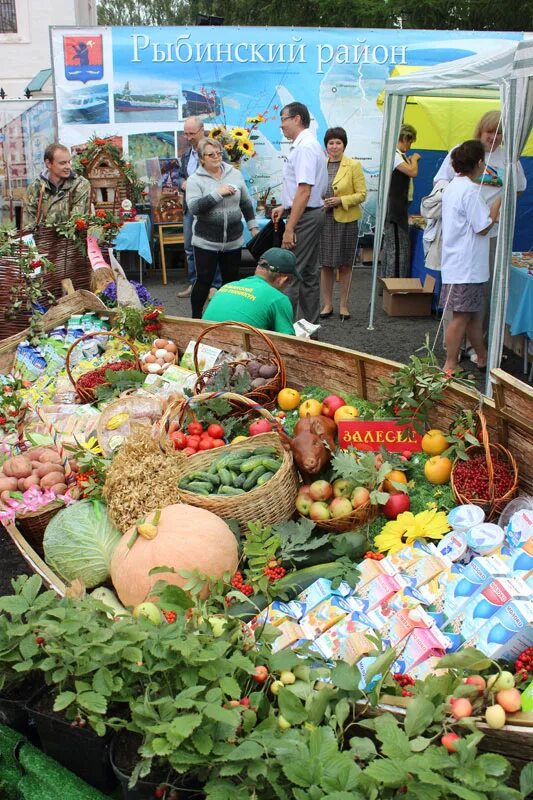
pixel 258 300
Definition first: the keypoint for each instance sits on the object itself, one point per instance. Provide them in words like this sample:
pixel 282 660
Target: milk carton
pixel 426 569
pixel 520 527
pixel 320 590
pixel 403 623
pixel 422 643
pixel 344 641
pixel 488 601
pixel 380 590
pixel 278 612
pixel 508 632
pixel 400 560
pixel 462 586
pixel 521 559
pixel 328 613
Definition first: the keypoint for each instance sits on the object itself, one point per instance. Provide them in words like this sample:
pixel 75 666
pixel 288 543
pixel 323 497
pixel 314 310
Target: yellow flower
pixel 217 133
pixel 246 147
pixel 92 446
pixel 257 120
pixel 408 527
pixel 239 133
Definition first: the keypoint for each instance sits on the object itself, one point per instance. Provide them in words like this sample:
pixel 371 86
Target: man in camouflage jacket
pixel 58 192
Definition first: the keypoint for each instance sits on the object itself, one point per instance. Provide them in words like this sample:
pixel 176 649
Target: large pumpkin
pixel 187 538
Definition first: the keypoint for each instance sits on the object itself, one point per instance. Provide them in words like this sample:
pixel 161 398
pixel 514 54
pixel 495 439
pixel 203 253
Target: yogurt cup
pixel 485 538
pixel 462 518
pixel 455 547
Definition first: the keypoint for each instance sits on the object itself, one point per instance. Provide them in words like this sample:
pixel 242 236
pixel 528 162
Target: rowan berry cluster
pixel 238 583
pixel 472 478
pixel 524 663
pixel 404 681
pixel 274 571
pixel 170 616
pixel 373 556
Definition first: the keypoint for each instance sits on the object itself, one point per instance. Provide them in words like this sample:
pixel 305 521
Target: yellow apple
pixel 345 413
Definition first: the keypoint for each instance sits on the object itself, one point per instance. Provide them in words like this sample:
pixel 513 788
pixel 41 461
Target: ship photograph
pixel 86 106
pixel 131 105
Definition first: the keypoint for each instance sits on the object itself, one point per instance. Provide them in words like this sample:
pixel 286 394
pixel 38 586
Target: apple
pixel 331 403
pixel 342 487
pixel 303 504
pixel 275 686
pixel 476 680
pixel 360 496
pixel 340 507
pixel 396 504
pixel 259 426
pixel 505 680
pixel 148 610
pixel 462 708
pixel 287 677
pixel 305 490
pixel 509 699
pixel 321 490
pixel 319 511
pixel 448 741
pixel 495 716
pixel 345 413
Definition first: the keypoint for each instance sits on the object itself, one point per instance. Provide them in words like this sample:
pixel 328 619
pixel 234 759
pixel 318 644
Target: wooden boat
pixel 509 420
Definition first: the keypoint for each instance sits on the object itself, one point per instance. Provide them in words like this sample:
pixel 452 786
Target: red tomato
pixel 205 435
pixel 219 443
pixel 189 451
pixel 193 441
pixel 216 431
pixel 205 444
pixel 180 439
pixel 195 428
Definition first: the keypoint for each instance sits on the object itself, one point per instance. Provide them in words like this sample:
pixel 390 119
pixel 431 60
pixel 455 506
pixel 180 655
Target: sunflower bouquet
pixel 238 142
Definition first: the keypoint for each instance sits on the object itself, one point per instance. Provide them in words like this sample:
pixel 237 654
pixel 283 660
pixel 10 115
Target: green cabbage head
pixel 79 541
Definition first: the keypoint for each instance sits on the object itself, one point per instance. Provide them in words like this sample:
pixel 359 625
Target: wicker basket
pixel 180 409
pixel 359 517
pixel 491 505
pixel 265 395
pixel 272 502
pixel 86 394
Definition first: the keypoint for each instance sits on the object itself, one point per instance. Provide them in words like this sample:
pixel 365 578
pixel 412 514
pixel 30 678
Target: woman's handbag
pixel 269 236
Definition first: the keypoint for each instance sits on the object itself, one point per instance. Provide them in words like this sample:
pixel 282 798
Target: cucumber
pixel 200 487
pixel 225 476
pixel 204 476
pixel 262 479
pixel 252 463
pixel 229 490
pixel 239 480
pixel 251 480
pixel 272 464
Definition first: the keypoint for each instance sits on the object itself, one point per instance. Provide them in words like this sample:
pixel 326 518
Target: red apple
pixel 303 504
pixel 340 507
pixel 509 699
pixel 305 490
pixel 342 487
pixel 448 741
pixel 396 504
pixel 360 496
pixel 331 404
pixel 319 511
pixel 321 490
pixel 462 708
pixel 407 454
pixel 259 426
pixel 476 680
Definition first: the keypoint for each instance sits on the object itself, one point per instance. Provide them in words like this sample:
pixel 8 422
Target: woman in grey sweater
pixel 218 199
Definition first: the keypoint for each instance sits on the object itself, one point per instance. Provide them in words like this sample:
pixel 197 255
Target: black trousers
pixel 207 262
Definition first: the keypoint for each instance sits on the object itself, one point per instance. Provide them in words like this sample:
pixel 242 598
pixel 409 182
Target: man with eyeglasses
pixel 305 181
pixel 193 130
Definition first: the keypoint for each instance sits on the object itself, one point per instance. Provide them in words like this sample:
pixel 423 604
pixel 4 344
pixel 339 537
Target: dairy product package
pixel 421 644
pixel 520 527
pixel 488 601
pixel 485 538
pixel 401 559
pixel 290 632
pixel 454 547
pixel 508 632
pixel 403 623
pixel 462 586
pixel 426 569
pixel 344 641
pixel 328 613
pixel 320 590
pixel 278 612
pixel 462 518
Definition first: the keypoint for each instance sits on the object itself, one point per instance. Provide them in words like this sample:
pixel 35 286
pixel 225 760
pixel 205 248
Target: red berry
pixel 39 640
pixel 159 792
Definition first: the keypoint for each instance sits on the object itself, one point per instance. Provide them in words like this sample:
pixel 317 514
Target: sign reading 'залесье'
pixel 372 435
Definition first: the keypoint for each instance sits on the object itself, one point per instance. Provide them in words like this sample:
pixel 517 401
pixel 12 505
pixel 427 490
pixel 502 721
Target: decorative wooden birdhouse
pixel 109 184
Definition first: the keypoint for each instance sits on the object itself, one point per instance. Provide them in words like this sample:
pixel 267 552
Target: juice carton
pixel 344 641
pixel 401 559
pixel 290 632
pixel 326 614
pixel 403 622
pixel 508 632
pixel 422 643
pixel 320 590
pixel 380 590
pixel 428 667
pixel 462 586
pixel 487 602
pixel 368 570
pixel 278 612
pixel 425 569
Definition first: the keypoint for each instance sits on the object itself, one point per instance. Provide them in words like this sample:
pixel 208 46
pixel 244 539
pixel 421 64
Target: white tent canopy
pixel 508 68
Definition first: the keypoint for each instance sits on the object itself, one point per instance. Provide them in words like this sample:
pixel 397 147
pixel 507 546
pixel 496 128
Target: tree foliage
pixel 466 15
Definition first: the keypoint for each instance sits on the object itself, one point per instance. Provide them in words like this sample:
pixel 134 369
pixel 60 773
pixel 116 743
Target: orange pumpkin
pixel 187 538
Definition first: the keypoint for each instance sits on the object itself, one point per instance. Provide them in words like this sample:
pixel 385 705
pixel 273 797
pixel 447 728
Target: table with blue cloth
pixel 136 236
pixel 519 314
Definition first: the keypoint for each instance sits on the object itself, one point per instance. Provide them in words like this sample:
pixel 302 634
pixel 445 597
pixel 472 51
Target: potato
pixel 17 467
pixel 20 484
pixel 52 478
pixel 59 488
pixel 4 496
pixel 268 371
pixel 8 484
pixel 50 457
pixel 45 469
pixel 73 465
pixel 33 480
pixel 36 452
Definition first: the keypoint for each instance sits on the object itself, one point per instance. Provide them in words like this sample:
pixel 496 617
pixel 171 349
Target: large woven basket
pixel 264 395
pixel 351 522
pixel 87 394
pixel 272 502
pixel 492 505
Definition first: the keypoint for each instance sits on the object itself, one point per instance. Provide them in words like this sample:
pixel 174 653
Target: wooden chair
pixel 169 233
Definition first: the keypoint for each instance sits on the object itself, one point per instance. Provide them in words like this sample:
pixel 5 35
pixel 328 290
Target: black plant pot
pixel 13 707
pixel 188 788
pixel 78 749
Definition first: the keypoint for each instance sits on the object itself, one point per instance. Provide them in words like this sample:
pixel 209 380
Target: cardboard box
pixel 407 297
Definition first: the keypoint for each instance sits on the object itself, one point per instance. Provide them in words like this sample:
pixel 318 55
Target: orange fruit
pixel 310 408
pixel 397 476
pixel 288 399
pixel 438 469
pixel 345 413
pixel 434 442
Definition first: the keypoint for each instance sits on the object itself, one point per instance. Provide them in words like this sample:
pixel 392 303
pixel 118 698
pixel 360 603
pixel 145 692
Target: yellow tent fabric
pixel 443 121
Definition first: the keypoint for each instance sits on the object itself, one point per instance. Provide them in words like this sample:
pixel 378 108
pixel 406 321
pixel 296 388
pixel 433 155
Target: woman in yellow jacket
pixel 338 240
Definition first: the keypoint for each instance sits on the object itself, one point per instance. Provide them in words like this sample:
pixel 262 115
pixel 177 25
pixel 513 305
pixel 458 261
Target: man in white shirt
pixel 305 181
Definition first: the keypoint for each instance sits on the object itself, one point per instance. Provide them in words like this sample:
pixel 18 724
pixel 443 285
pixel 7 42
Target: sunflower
pixel 246 147
pixel 257 120
pixel 217 133
pixel 239 133
pixel 408 527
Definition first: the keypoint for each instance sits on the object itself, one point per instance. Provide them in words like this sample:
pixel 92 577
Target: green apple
pixel 283 724
pixel 148 610
pixel 505 680
pixel 342 487
pixel 287 677
pixel 217 625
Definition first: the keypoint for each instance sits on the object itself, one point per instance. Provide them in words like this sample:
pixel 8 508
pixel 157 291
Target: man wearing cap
pixel 305 182
pixel 258 300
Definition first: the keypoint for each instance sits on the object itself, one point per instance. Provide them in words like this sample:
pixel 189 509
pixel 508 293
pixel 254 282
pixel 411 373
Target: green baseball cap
pixel 280 260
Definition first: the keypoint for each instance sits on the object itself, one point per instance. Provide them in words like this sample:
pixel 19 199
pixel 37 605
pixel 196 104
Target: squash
pixel 188 538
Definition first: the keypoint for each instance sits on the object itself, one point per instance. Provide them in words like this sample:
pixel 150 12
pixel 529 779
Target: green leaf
pixel 161 747
pixel 230 687
pixel 526 779
pixel 419 744
pixel 394 741
pixel 247 751
pixel 389 772
pixel 362 749
pixel 381 665
pixel 470 658
pixel 419 716
pixel 298 771
pixel 31 588
pixel 340 796
pixel 228 716
pixel 464 793
pixel 318 702
pixel 63 700
pixel 291 707
pixel 28 647
pixel 92 701
pixel 174 597
pixel 495 765
pixel 14 604
pixel 342 711
pixel 346 676
pixel 182 727
pixel 133 654
pixel 103 681
pixel 202 741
